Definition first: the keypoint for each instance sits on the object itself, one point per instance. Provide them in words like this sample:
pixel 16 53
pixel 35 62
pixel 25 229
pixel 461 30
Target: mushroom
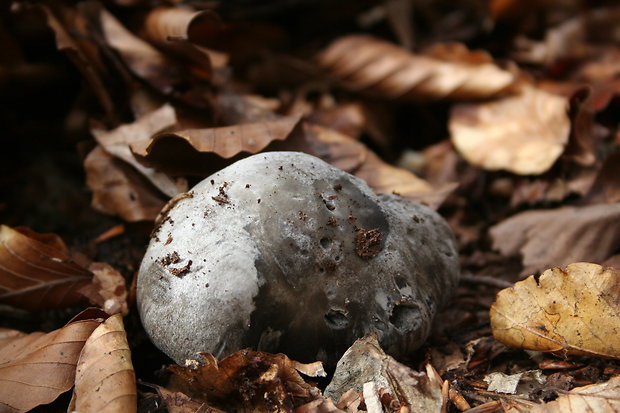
pixel 282 252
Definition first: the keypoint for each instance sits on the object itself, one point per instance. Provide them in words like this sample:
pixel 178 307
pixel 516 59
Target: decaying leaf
pixel 37 272
pixel 116 142
pixel 365 362
pixel 105 380
pixel 177 402
pixel 107 290
pixel 524 134
pixel 572 310
pixel 118 189
pixel 364 63
pixel 599 398
pixel 522 383
pixel 36 368
pixel 204 151
pixel 560 236
pixel 248 380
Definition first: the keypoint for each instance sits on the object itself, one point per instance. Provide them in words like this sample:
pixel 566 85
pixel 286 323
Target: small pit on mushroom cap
pixel 301 260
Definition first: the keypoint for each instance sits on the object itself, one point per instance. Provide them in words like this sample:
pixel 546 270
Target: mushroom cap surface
pixel 282 252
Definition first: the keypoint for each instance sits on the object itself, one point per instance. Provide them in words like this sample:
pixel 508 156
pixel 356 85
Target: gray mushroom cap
pixel 282 252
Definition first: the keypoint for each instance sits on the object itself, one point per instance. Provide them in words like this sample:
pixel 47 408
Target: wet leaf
pixel 116 142
pixel 120 190
pixel 107 289
pixel 36 368
pixel 545 238
pixel 599 398
pixel 364 63
pixel 37 272
pixel 204 151
pixel 105 380
pixel 524 134
pixel 248 380
pixel 572 310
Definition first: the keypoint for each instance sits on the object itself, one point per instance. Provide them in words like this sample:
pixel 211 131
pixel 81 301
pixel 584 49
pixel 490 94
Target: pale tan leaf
pixel 36 368
pixel 364 63
pixel 105 380
pixel 204 151
pixel 572 310
pixel 116 142
pixel 118 189
pixel 107 290
pixel 599 398
pixel 524 134
pixel 560 236
pixel 36 271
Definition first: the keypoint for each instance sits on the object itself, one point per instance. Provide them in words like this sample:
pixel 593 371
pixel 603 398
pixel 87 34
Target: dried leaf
pixel 177 402
pixel 524 134
pixel 116 142
pixel 107 290
pixel 364 63
pixel 522 383
pixel 606 186
pixel 365 362
pixel 105 380
pixel 36 368
pixel 204 151
pixel 118 189
pixel 143 59
pixel 35 273
pixel 574 310
pixel 545 238
pixel 320 405
pixel 599 398
pixel 180 30
pixel 247 380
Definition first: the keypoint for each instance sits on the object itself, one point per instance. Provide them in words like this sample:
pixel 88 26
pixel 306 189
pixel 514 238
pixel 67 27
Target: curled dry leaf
pixel 107 289
pixel 116 142
pixel 560 236
pixel 572 310
pixel 248 380
pixel 179 30
pixel 36 368
pixel 524 134
pixel 118 189
pixel 365 362
pixel 364 63
pixel 204 151
pixel 37 272
pixel 105 380
pixel 599 398
pixel 142 59
pixel 177 402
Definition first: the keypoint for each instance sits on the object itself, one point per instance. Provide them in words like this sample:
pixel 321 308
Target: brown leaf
pixel 143 60
pixel 572 310
pixel 107 290
pixel 116 142
pixel 118 189
pixel 179 30
pixel 36 272
pixel 364 63
pixel 560 236
pixel 36 368
pixel 606 186
pixel 247 380
pixel 365 362
pixel 105 380
pixel 524 134
pixel 204 151
pixel 177 402
pixel 599 398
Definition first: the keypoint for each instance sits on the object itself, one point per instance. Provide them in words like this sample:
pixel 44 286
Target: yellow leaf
pixel 574 310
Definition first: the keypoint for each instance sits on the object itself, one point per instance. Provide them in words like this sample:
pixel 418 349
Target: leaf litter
pixel 519 156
